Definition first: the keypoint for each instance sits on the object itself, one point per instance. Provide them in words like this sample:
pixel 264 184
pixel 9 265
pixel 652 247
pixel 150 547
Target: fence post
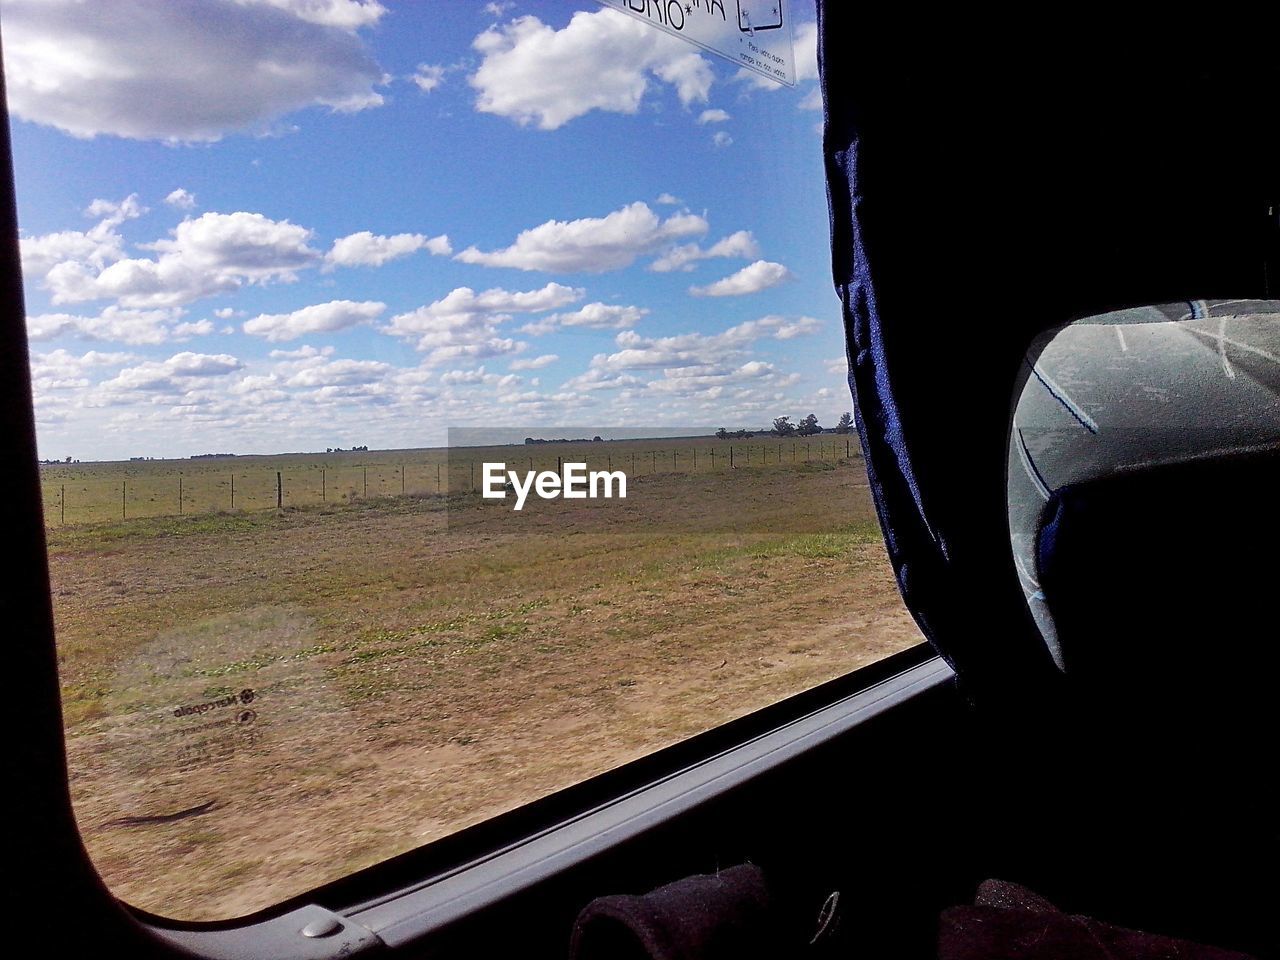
pixel 731 455
pixel 123 486
pixel 64 504
pixel 366 483
pixel 179 494
pixel 233 491
pixel 437 478
pixel 402 479
pixel 324 485
pixel 472 467
pixel 279 490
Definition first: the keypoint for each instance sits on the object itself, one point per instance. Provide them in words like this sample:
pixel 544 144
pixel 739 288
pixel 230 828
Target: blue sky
pixel 257 226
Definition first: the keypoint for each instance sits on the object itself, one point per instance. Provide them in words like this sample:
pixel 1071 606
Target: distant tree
pixel 808 426
pixel 722 434
pixel 597 439
pixel 783 427
pixel 845 424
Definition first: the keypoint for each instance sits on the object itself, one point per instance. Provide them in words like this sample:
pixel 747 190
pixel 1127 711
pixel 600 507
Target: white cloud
pixel 150 71
pixel 61 370
pixel 455 377
pixel 181 199
pixel 365 249
pixel 428 76
pixel 318 318
pixel 812 100
pixel 806 51
pixel 214 253
pixel 534 363
pixel 177 375
pixel 302 353
pixel 122 325
pixel 698 349
pixel 200 328
pixel 593 316
pixel 712 381
pixel 465 324
pixel 686 256
pixel 344 14
pixel 669 199
pixel 533 73
pixel 324 372
pixel 98 246
pixel 753 278
pixel 592 244
pixel 498 9
pixel 722 139
pixel 713 116
pixel 114 213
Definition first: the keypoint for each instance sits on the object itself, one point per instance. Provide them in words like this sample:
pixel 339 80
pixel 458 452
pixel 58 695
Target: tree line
pixel 783 427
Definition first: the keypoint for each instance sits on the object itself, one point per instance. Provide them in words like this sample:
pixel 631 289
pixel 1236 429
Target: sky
pixel 259 226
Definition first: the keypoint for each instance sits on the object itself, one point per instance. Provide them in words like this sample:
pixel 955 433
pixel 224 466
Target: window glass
pixel 296 272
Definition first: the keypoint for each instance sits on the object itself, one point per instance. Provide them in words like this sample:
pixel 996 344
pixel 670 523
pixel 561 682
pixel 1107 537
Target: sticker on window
pixel 755 34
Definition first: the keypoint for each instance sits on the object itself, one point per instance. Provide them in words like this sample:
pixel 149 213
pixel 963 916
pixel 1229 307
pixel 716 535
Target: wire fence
pixel 75 494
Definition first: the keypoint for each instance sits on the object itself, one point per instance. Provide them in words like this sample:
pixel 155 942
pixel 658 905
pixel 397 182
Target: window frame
pixel 410 897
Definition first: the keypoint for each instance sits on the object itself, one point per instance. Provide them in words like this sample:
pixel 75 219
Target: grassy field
pixel 261 701
pixel 95 492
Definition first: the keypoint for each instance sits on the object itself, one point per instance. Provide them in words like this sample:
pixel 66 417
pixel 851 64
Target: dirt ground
pixel 257 704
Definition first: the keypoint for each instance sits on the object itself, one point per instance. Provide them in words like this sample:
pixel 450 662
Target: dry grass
pixel 411 677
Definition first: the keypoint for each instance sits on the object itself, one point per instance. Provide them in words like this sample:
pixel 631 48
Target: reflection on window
pixel 289 293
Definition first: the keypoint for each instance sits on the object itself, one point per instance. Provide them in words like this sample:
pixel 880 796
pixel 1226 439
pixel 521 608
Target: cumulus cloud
pixel 181 199
pixel 118 324
pixel 198 328
pixel 344 14
pixel 713 116
pixel 148 71
pixel 592 244
pixel 62 370
pixel 177 375
pixel 669 199
pixel 97 246
pixel 686 256
pixel 722 139
pixel 752 278
pixel 214 253
pixel 593 316
pixel 365 249
pixel 323 372
pixel 533 73
pixel 318 318
pixel 456 378
pixel 428 76
pixel 713 380
pixel 698 349
pixel 465 324
pixel 534 363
